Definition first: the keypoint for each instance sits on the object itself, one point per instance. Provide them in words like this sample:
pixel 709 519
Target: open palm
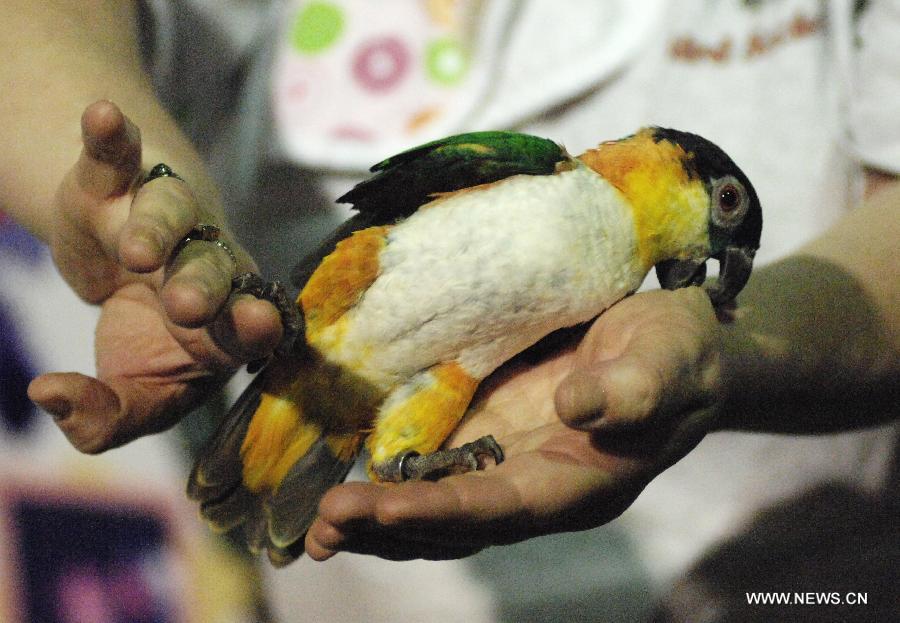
pixel 584 425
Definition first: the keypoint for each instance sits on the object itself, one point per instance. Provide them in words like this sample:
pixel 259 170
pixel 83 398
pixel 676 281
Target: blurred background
pixel 291 102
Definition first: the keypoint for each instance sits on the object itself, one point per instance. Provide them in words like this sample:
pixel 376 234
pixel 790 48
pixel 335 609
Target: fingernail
pixel 59 408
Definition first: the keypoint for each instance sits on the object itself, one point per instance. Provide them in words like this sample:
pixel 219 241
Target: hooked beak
pixel 735 266
pixel 735 263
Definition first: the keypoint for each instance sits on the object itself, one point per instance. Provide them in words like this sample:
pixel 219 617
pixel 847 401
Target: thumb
pixel 620 391
pixel 85 409
pixel 111 158
pixel 659 359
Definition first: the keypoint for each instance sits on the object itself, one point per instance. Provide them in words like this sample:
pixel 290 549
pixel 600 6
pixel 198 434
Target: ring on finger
pixel 161 170
pixel 206 233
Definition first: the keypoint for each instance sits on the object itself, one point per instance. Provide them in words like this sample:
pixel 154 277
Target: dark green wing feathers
pixel 410 179
pixel 404 182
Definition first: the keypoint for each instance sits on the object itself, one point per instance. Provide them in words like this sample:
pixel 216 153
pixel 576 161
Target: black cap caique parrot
pixel 464 252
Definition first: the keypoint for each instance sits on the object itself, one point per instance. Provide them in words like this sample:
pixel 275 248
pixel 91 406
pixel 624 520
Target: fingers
pixel 449 518
pixel 197 279
pixel 111 158
pixel 90 205
pixel 387 546
pixel 542 490
pixel 431 520
pixel 650 357
pixel 198 274
pixel 197 284
pixel 171 330
pixel 146 233
pixel 162 213
pixel 369 536
pixel 251 328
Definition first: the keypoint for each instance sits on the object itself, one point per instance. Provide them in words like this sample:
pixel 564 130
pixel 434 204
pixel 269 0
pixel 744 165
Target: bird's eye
pixel 730 201
pixel 729 198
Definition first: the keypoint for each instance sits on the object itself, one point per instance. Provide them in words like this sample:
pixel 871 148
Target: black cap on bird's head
pixel 735 222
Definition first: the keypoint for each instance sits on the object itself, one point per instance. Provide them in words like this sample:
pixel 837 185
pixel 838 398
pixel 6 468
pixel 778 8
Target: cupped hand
pixel 584 429
pixel 169 332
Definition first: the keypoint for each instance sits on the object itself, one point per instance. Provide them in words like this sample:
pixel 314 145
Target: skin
pixel 586 422
pixel 169 333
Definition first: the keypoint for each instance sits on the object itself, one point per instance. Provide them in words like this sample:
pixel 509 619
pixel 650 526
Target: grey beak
pixel 735 265
pixel 674 274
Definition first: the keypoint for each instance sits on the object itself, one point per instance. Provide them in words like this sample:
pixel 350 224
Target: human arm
pixel 168 333
pixel 585 429
pixel 817 346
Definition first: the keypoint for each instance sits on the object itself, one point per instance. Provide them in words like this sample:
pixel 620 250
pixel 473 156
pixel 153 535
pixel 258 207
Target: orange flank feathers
pixel 277 435
pixel 276 439
pixel 341 278
pixel 653 179
pixel 303 399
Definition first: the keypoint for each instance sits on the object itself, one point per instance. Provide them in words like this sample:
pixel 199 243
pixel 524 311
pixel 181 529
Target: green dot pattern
pixel 317 27
pixel 446 61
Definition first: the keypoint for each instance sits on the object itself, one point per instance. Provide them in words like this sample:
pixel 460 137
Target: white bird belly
pixel 481 275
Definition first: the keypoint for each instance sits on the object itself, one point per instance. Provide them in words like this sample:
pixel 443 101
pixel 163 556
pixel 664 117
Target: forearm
pixel 59 57
pixel 816 343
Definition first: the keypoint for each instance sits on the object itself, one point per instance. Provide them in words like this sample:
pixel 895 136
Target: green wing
pixel 408 180
pixel 404 182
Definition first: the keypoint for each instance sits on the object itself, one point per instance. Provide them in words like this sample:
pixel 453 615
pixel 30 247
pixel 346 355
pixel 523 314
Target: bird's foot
pixel 468 457
pixel 274 292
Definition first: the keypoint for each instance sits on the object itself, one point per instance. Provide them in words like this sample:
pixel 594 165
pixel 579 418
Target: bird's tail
pixel 269 463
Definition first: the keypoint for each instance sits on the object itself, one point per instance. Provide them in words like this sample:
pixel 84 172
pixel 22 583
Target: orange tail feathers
pixel 268 465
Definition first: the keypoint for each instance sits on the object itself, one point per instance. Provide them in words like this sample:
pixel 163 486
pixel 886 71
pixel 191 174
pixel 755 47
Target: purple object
pixel 16 239
pixel 17 412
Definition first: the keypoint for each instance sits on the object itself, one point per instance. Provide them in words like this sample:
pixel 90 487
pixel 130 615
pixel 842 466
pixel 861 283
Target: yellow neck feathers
pixel 670 209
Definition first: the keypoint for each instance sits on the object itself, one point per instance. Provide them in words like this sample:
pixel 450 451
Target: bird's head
pixel 691 202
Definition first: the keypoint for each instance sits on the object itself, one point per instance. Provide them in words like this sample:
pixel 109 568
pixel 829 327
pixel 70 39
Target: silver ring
pixel 206 233
pixel 161 170
pixel 401 465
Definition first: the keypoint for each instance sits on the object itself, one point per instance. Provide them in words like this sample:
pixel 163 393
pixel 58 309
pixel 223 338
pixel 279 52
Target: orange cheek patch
pixel 667 205
pixel 342 277
pixel 627 163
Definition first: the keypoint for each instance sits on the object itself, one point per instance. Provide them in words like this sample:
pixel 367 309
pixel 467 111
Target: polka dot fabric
pixel 356 79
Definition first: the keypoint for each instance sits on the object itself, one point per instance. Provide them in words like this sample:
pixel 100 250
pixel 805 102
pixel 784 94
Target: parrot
pixel 463 252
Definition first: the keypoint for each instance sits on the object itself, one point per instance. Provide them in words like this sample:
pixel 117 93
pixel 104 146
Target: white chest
pixel 479 276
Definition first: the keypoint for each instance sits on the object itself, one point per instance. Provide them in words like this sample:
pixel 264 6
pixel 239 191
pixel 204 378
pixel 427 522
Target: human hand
pixel 583 431
pixel 169 332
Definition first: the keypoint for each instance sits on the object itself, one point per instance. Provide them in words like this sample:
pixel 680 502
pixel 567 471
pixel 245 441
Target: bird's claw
pixel 468 457
pixel 274 292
